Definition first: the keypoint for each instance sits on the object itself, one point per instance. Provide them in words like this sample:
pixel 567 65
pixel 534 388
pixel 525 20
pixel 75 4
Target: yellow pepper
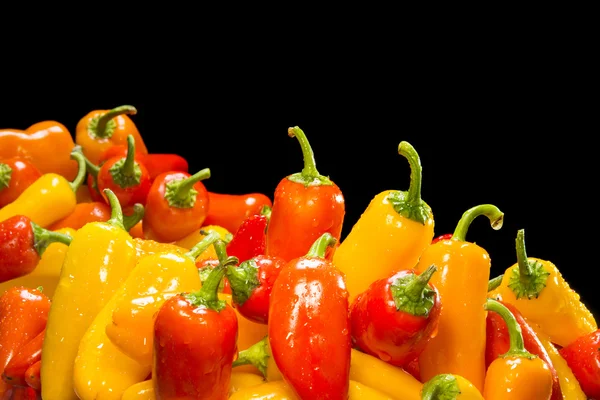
pixel 242 380
pixel 99 259
pixel 390 235
pixel 190 240
pixel 146 247
pixel 280 390
pixel 450 387
pixel 47 272
pixel 537 288
pixel 140 391
pixel 49 199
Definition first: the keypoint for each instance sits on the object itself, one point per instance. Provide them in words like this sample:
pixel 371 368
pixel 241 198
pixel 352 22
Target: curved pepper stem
pixel 412 293
pixel 309 175
pixel 494 283
pixel 209 238
pixel 517 345
pixel 5 175
pixel 494 214
pixel 257 355
pixel 116 212
pixel 529 278
pixel 127 172
pixel 442 386
pixel 266 211
pixel 129 221
pixel 103 126
pixel 81 172
pixel 319 247
pixel 42 238
pixel 181 193
pixel 91 169
pixel 243 279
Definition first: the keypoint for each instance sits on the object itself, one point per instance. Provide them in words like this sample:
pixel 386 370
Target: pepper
pixel 306 205
pixel 16 175
pixel 146 246
pixel 35 143
pixel 517 374
pixel 140 391
pixel 462 280
pixel 309 325
pixel 20 393
pixel 583 357
pixel 390 235
pixel 82 214
pixel 25 357
pixel 251 286
pixel 537 288
pixel 195 341
pixel 83 194
pixel 445 236
pixel 99 259
pixel 101 129
pixel 47 271
pixel 127 321
pixel 23 315
pixel 205 267
pixel 190 240
pixel 449 387
pixel 230 210
pixel 498 343
pixel 48 199
pixel 22 243
pixel 32 376
pixel 396 317
pixel 176 205
pixel 250 239
pixel 242 380
pixel 156 163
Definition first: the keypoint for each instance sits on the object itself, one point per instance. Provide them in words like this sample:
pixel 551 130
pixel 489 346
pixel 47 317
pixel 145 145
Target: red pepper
pixel 230 210
pixel 195 338
pixel 22 243
pixel 23 315
pixel 412 367
pixel 498 343
pixel 306 205
pixel 250 239
pixel 176 206
pixel 156 163
pixel 251 285
pixel 205 267
pixel 583 357
pixel 32 376
pixel 21 393
pixel 309 325
pixel 95 211
pixel 445 236
pixel 29 354
pixel 16 175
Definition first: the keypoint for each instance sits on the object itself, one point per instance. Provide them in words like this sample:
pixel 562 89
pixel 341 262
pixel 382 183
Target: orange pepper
pixel 47 145
pixel 83 194
pixel 462 282
pixel 82 214
pixel 99 130
pixel 136 231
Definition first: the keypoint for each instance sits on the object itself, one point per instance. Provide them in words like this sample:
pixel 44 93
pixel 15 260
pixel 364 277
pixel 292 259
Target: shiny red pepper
pixel 309 325
pixel 250 239
pixel 205 267
pixel 16 175
pixel 95 211
pixel 583 357
pixel 32 376
pixel 22 243
pixel 251 285
pixel 156 163
pixel 21 393
pixel 230 210
pixel 177 205
pixel 306 205
pixel 445 236
pixel 29 354
pixel 195 338
pixel 395 317
pixel 498 343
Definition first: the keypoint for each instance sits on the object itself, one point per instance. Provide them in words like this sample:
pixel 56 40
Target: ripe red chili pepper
pixel 96 211
pixel 306 205
pixel 195 338
pixel 250 239
pixel 309 325
pixel 23 315
pixel 251 285
pixel 396 317
pixel 176 205
pixel 16 175
pixel 498 343
pixel 230 210
pixel 583 357
pixel 445 236
pixel 22 243
pixel 205 267
pixel 28 354
pixel 156 163
pixel 32 376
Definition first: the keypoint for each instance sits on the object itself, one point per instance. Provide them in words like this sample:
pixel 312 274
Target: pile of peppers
pixel 123 277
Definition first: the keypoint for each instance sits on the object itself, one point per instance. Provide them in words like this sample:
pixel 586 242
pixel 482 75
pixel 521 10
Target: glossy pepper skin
pixel 449 387
pixel 82 214
pixel 29 354
pixel 498 343
pixel 99 259
pixel 23 315
pixel 47 200
pixel 396 317
pixel 250 239
pixel 390 235
pixel 156 163
pixel 36 143
pixel 176 205
pixel 230 210
pixel 462 282
pixel 20 393
pixel 309 325
pixel 517 374
pixel 99 130
pixel 195 341
pixel 32 376
pixel 306 205
pixel 16 175
pixel 537 288
pixel 583 357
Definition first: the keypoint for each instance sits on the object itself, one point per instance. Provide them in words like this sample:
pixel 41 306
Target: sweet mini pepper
pixel 27 355
pixel 449 387
pixel 16 175
pixel 280 390
pixel 230 210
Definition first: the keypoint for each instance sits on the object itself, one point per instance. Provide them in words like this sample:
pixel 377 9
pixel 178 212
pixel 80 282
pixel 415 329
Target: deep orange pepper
pixel 82 214
pixel 16 175
pixel 230 210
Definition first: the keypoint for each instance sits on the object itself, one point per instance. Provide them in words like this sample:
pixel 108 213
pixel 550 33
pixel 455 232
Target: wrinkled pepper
pixel 29 354
pixel 48 199
pixel 583 357
pixel 82 214
pixel 306 205
pixel 390 235
pixel 250 239
pixel 36 143
pixel 449 387
pixel 537 288
pixel 517 374
pixel 99 130
pixel 16 175
pixel 99 259
pixel 462 281
pixel 230 210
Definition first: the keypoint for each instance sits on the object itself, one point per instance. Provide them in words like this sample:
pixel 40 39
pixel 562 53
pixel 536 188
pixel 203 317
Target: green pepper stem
pixel 257 355
pixel 494 214
pixel 42 238
pixel 116 212
pixel 495 282
pixel 319 247
pixel 81 171
pixel 129 221
pixel 517 345
pixel 181 193
pixel 442 386
pixel 309 176
pixel 5 175
pixel 414 288
pixel 109 115
pixel 128 168
pixel 525 268
pixel 209 238
pixel 210 289
pixel 413 196
pixel 91 169
pixel 266 211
